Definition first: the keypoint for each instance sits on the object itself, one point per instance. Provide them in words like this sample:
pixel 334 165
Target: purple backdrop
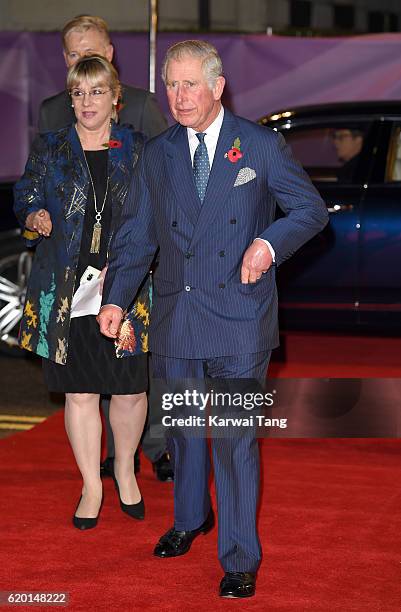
pixel 264 74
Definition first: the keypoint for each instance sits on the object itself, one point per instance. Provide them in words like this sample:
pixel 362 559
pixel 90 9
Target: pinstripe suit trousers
pixel 235 462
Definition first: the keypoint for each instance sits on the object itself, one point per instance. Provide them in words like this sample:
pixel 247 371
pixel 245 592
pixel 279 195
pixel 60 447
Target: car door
pixel 380 236
pixel 323 275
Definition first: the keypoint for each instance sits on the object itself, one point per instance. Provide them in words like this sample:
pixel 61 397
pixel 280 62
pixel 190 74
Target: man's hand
pixel 40 222
pixel 109 319
pixel 257 260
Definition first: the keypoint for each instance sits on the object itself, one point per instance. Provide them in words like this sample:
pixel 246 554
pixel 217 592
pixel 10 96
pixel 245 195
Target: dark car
pixel 15 267
pixel 351 272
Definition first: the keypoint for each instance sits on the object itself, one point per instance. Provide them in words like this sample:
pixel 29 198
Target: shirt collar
pixel 214 128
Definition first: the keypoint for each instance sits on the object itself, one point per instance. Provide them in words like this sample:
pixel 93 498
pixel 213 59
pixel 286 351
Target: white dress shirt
pixel 211 137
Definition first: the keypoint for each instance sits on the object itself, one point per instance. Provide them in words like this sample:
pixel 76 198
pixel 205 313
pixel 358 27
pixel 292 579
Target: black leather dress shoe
pixel 175 543
pixel 163 468
pixel 107 466
pixel 237 584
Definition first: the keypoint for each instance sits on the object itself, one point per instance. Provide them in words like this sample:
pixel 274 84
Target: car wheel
pixel 14 273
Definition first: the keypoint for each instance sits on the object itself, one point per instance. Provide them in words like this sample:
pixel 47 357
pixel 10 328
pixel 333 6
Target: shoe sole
pixel 237 596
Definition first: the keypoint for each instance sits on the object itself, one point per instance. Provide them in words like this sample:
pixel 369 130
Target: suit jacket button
pixel 233 221
pixel 222 253
pixel 188 255
pixel 187 288
pixel 222 286
pixel 174 224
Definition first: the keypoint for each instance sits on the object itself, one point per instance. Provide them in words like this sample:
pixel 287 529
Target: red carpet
pixel 330 524
pixel 321 355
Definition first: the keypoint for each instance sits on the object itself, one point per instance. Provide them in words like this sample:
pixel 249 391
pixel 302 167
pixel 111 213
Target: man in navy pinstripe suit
pixel 205 194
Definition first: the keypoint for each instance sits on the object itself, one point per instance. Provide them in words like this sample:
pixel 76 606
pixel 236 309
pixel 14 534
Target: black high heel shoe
pixel 85 522
pixel 136 511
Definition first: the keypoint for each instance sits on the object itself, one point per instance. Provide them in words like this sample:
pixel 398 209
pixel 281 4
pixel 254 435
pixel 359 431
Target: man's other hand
pixel 257 260
pixel 109 319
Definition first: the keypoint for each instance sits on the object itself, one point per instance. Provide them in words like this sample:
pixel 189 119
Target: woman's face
pixel 93 103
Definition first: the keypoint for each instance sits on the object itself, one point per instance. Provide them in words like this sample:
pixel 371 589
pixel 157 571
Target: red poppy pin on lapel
pixel 234 154
pixel 112 144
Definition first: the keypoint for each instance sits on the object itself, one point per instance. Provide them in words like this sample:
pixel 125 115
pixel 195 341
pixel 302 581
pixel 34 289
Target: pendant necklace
pixel 97 226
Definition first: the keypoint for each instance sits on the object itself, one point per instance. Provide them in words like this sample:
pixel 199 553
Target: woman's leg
pixel 127 419
pixel 84 429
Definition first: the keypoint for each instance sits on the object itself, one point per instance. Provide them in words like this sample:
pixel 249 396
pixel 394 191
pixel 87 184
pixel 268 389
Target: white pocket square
pixel 244 176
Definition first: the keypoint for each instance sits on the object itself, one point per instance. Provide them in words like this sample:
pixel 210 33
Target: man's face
pixel 347 144
pixel 81 44
pixel 192 102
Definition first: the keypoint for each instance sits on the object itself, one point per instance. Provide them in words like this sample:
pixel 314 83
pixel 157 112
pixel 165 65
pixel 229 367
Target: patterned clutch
pixel 132 338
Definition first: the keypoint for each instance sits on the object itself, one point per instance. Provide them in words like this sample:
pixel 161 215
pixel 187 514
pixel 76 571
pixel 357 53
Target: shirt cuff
pixel 115 305
pixel 269 246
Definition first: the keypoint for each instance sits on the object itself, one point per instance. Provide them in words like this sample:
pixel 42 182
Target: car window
pixel 328 154
pixel 393 165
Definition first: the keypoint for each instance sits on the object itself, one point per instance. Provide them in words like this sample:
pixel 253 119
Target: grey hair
pixel 211 62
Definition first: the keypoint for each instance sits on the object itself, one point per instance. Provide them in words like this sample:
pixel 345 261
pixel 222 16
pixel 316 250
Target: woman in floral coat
pixel 68 202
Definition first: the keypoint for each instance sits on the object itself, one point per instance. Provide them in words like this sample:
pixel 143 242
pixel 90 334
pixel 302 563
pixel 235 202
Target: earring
pixel 72 106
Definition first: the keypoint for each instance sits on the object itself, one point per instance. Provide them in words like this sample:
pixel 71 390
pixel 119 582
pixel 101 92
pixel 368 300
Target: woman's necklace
pixel 97 226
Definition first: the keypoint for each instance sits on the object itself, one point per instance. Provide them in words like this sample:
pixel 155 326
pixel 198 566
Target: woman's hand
pixel 40 222
pixel 101 276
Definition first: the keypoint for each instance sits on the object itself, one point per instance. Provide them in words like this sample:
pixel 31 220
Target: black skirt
pixel 92 365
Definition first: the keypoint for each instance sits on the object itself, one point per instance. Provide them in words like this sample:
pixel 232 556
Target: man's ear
pixel 109 52
pixel 219 87
pixel 65 58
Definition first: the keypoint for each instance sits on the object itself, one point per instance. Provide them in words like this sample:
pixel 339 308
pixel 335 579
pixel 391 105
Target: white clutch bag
pixel 87 299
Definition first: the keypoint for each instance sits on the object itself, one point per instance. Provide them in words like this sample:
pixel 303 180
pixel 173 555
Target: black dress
pixel 92 365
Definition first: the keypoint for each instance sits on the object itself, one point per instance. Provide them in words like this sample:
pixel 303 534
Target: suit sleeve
pixel 134 244
pixel 29 191
pixel 43 124
pixel 290 186
pixel 153 120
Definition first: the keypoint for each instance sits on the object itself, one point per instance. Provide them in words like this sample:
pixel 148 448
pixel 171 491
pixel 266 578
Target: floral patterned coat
pixel 56 178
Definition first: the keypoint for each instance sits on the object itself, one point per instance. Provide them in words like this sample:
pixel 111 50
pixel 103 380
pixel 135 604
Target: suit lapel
pixel 180 173
pixel 118 171
pixel 122 158
pixel 222 175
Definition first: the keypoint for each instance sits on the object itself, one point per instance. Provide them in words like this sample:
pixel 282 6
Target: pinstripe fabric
pixel 200 308
pixel 235 462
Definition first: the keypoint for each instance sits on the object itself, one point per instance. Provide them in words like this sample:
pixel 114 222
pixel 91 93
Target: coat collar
pixel 119 172
pixel 115 154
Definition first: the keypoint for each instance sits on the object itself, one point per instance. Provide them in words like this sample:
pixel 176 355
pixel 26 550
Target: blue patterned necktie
pixel 201 166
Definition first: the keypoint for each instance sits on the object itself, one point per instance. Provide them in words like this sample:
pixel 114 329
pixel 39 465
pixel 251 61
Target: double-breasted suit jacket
pixel 56 178
pixel 200 307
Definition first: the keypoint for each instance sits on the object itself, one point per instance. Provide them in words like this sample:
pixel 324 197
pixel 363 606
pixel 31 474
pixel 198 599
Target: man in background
pixel 88 35
pixel 348 144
